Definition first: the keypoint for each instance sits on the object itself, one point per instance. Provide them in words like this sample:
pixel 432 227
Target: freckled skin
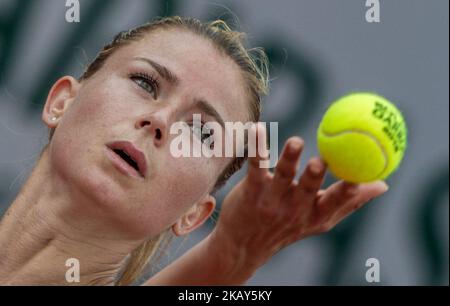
pixel 109 106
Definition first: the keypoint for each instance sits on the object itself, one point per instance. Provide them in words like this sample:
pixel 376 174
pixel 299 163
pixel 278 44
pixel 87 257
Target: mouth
pixel 128 158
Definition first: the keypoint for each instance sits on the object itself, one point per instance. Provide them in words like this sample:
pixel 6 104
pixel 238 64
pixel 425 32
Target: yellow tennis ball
pixel 362 137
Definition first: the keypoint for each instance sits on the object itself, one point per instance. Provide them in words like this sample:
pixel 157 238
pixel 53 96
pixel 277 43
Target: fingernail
pixel 315 168
pixel 384 186
pixel 294 147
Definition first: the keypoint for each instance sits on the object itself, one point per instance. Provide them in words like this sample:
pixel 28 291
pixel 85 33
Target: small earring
pixel 53 118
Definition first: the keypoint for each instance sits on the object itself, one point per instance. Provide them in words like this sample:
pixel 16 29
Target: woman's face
pixel 129 102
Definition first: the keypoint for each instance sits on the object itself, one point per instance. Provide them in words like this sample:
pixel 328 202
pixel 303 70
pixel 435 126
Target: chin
pixel 92 186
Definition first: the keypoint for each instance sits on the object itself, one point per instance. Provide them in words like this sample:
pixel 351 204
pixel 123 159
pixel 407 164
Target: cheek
pixel 104 101
pixel 78 142
pixel 88 122
pixel 191 178
pixel 179 184
pixel 96 107
pixel 76 134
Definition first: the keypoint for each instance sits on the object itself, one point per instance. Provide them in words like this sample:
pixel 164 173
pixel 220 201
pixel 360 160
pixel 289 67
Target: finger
pixel 257 150
pixel 366 193
pixel 287 166
pixel 342 193
pixel 334 196
pixel 320 193
pixel 310 181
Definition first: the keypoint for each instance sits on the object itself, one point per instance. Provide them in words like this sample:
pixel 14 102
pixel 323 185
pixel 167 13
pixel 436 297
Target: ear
pixel 195 216
pixel 61 95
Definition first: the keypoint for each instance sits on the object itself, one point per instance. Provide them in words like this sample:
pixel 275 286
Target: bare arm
pixel 206 263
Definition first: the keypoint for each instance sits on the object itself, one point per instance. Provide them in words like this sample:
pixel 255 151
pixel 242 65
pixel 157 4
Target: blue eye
pixel 146 82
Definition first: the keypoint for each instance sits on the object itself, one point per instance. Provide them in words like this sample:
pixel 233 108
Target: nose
pixel 156 125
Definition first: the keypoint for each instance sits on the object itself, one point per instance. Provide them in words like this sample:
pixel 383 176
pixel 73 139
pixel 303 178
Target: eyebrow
pixel 165 73
pixel 170 77
pixel 208 109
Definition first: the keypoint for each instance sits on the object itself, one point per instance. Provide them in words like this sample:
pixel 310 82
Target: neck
pixel 48 225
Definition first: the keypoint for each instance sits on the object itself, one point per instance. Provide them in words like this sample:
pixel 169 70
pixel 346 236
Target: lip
pixel 129 148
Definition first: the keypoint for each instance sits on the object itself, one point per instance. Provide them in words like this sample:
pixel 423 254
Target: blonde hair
pixel 253 64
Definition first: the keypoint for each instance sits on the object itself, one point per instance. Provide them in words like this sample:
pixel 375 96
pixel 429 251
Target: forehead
pixel 203 70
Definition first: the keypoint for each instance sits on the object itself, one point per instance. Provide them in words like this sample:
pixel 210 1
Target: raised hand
pixel 267 211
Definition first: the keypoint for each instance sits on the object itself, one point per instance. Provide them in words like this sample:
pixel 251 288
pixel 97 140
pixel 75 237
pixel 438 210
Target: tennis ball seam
pixel 365 133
